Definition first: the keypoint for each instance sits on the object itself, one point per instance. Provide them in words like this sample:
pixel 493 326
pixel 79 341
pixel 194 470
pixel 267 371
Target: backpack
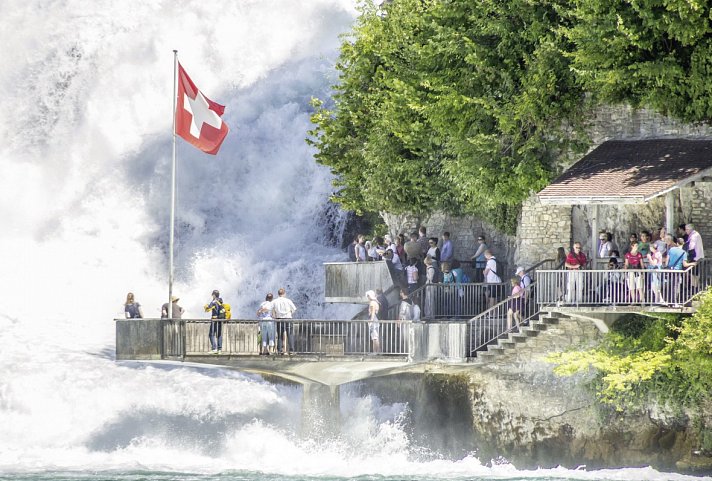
pixel 227 311
pixel 465 279
pixel 405 311
pixel 499 267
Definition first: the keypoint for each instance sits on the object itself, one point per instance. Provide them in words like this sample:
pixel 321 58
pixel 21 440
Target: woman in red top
pixel 634 260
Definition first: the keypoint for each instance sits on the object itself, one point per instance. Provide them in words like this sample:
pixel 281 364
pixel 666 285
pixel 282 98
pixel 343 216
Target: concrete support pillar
pixel 321 415
pixel 670 212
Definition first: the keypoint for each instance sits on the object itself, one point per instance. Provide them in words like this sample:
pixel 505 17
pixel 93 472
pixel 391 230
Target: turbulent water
pixel 85 162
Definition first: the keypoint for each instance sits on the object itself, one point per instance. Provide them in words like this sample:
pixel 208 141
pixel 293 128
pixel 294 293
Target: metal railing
pixel 501 319
pixel 453 301
pixel 189 337
pixel 456 301
pixel 642 287
pixel 508 315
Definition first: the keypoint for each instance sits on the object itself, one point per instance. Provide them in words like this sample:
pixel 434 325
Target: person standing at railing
pixel 644 244
pixel 655 263
pixel 132 309
pixel 675 261
pixel 411 275
pixel 447 252
pixel 360 249
pixel 478 260
pixel 632 238
pixel 382 303
pixel 615 292
pixel 449 291
pixel 217 311
pixel 605 246
pixel 434 253
pixel 697 251
pixel 373 324
pixel 267 326
pixel 575 263
pixel 491 277
pixel 661 244
pixel 634 261
pixel 429 280
pixel 177 310
pixel 283 309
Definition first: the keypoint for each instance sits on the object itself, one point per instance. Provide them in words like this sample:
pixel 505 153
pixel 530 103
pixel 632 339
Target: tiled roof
pixel 625 171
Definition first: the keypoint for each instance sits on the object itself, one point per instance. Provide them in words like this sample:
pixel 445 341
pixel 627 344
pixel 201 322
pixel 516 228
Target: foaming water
pixel 85 159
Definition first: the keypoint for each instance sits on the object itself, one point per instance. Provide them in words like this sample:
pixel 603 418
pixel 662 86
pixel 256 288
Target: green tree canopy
pixel 455 105
pixel 469 106
pixel 654 53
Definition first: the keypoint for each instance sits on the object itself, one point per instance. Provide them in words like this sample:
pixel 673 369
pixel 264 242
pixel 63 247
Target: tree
pixel 654 53
pixel 450 105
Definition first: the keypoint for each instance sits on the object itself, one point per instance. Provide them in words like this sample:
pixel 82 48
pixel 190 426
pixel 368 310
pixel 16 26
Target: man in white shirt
pixel 283 308
pixel 491 277
pixel 694 242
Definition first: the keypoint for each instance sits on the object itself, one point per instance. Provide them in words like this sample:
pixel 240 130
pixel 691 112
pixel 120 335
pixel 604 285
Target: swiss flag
pixel 198 119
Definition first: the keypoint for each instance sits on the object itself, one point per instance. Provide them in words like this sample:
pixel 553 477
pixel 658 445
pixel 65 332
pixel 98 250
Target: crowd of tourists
pixel 677 251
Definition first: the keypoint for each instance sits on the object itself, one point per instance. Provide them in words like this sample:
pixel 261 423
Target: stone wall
pixel 463 233
pixel 542 230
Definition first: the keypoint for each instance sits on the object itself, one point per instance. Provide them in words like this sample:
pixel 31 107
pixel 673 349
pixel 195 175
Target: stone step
pixel 507 344
pixel 539 325
pixel 486 356
pixel 524 335
pixel 495 349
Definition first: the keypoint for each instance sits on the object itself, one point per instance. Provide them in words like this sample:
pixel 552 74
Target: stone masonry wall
pixel 463 233
pixel 542 231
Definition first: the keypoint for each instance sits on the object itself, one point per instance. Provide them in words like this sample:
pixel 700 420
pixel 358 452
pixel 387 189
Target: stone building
pixel 544 228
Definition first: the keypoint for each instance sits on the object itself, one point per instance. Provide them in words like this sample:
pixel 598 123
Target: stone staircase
pixel 552 331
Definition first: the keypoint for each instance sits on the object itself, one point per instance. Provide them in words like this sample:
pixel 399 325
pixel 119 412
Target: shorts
pixel 373 330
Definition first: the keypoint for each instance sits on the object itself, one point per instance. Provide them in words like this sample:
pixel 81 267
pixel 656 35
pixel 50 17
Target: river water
pixel 85 162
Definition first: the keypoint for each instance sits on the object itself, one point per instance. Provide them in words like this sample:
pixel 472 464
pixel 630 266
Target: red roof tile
pixel 621 171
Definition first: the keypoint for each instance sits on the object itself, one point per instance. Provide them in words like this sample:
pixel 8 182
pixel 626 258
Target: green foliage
pixel 655 53
pixel 467 107
pixel 669 358
pixel 450 105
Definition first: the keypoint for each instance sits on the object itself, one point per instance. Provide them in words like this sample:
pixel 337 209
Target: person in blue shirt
pixel 447 252
pixel 675 261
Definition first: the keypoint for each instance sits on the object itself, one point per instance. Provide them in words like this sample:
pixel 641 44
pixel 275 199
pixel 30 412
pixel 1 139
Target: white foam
pixel 84 201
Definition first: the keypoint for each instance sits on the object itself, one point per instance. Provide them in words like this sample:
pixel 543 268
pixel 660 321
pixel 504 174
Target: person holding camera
pixel 217 311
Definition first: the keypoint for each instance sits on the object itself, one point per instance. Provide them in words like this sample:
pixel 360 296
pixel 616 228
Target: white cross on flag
pixel 198 119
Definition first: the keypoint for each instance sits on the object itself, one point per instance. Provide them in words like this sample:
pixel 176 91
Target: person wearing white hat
pixel 177 310
pixel 525 279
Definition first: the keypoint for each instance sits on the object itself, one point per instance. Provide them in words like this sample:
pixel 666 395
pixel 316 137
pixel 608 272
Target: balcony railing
pixel 498 321
pixel 189 337
pixel 640 287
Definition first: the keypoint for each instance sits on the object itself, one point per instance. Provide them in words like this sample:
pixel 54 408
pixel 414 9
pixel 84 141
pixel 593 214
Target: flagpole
pixel 173 189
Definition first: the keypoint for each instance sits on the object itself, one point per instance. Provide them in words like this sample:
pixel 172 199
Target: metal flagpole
pixel 173 188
